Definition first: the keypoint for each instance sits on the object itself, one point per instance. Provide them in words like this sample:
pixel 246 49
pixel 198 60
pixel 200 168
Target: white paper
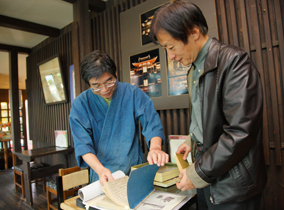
pixel 160 200
pixel 94 189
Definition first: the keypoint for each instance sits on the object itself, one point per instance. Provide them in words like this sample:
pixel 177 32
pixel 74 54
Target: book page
pixel 106 202
pixel 94 189
pixel 103 202
pixel 159 200
pixel 166 168
pixel 117 191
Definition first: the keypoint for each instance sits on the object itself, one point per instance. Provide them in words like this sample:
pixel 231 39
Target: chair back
pixel 75 179
pixel 69 181
pixel 64 171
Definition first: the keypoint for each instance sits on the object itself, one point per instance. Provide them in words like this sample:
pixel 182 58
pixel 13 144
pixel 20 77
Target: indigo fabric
pixel 112 132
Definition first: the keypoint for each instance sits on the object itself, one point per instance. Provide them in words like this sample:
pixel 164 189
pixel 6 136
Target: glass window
pixel 4 120
pixel 4 113
pixel 4 105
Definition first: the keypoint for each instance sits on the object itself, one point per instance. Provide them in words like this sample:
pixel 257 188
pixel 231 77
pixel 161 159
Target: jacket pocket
pixel 243 174
pixel 235 185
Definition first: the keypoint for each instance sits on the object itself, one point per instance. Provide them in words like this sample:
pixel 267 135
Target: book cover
pixel 182 164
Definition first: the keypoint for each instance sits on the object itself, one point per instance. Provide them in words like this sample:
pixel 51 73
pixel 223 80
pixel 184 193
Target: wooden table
pixel 29 155
pixel 5 140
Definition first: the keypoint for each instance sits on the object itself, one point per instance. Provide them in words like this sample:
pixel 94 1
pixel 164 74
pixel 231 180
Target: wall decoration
pixel 145 21
pixel 145 72
pixel 72 83
pixel 177 77
pixel 51 80
pixel 134 41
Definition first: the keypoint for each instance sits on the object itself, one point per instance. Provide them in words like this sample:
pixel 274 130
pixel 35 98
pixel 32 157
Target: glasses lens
pixel 108 84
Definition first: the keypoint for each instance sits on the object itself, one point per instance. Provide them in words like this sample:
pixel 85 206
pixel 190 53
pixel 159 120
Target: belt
pixel 199 147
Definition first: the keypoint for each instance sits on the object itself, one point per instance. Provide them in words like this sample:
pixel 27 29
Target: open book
pixel 133 192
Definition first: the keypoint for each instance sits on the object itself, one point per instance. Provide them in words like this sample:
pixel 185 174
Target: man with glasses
pixel 104 122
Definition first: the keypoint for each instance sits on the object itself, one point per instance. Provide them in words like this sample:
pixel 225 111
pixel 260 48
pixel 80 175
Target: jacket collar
pixel 211 59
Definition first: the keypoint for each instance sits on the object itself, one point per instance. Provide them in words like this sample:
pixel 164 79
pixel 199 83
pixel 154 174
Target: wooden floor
pixel 9 199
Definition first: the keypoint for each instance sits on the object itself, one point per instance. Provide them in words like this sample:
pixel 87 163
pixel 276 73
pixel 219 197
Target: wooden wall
pixel 254 25
pixel 257 27
pixel 45 119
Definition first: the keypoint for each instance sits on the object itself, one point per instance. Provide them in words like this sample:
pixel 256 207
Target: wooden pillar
pixel 82 20
pixel 14 100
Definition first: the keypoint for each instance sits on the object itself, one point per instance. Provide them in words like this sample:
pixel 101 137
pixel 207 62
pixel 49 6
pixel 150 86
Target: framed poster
pixel 145 22
pixel 177 77
pixel 145 72
pixel 52 81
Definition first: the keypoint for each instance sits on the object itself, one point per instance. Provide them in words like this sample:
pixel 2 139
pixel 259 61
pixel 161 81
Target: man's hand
pixel 157 156
pixel 184 149
pixel 95 164
pixel 105 176
pixel 185 183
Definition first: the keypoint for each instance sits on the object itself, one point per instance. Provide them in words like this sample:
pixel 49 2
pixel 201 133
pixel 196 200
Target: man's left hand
pixel 185 183
pixel 157 156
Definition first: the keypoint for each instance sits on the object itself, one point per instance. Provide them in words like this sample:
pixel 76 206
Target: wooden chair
pixel 68 183
pixel 19 175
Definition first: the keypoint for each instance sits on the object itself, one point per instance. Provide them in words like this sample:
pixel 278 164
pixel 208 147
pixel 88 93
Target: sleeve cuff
pixel 188 140
pixel 195 178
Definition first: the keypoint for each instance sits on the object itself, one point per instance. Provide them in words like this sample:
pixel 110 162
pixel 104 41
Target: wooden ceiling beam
pixel 94 5
pixel 97 5
pixel 5 47
pixel 27 26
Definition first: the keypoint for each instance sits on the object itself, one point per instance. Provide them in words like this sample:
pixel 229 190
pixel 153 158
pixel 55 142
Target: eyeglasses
pixel 108 84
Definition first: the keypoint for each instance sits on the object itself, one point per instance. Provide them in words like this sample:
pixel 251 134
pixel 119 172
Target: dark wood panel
pixel 264 21
pixel 272 82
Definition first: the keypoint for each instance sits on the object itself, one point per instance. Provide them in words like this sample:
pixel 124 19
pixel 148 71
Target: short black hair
pixel 178 18
pixel 95 64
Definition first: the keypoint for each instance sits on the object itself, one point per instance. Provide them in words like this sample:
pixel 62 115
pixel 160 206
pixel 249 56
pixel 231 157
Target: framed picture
pixel 145 72
pixel 177 77
pixel 53 87
pixel 72 83
pixel 145 23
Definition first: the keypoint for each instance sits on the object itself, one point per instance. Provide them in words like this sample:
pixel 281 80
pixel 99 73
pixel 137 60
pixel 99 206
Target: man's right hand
pixel 105 176
pixel 184 149
pixel 103 173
